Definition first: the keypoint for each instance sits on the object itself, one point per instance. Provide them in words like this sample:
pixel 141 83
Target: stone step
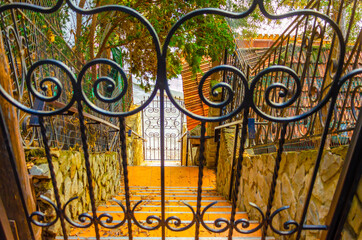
pixel 123 232
pixel 170 187
pixel 180 186
pixel 177 202
pixel 142 215
pixel 169 208
pixel 170 197
pixel 169 238
pixel 176 192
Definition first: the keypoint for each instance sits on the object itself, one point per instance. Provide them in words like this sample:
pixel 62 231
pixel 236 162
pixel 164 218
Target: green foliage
pixel 200 38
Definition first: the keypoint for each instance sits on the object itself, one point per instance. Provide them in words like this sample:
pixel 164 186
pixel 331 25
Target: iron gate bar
pixel 162 116
pixel 245 103
pixel 59 213
pixel 123 141
pixel 199 184
pixel 88 167
pixel 245 223
pixel 274 182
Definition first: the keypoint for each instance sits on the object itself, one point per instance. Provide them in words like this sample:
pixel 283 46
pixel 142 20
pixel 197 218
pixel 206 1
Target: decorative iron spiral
pixel 218 223
pixel 42 85
pixel 81 218
pixel 109 218
pixel 286 225
pixel 41 216
pixel 177 221
pixel 149 220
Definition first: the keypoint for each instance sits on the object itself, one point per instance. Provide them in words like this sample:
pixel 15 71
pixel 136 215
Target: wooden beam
pixel 5 229
pixel 229 124
pixel 14 138
pixel 237 122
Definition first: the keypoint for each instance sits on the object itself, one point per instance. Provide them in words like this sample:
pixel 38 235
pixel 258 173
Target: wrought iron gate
pixel 173 127
pixel 278 95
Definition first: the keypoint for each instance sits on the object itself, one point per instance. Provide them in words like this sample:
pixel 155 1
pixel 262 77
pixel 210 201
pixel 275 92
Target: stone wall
pixel 225 161
pixel 294 177
pixel 353 226
pixel 72 181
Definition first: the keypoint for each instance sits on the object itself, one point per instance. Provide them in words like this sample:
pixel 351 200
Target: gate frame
pixel 162 87
pixel 181 117
pixel 347 185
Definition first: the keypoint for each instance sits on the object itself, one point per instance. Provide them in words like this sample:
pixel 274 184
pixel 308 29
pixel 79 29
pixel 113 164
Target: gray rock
pixel 74 190
pixel 330 165
pixel 67 188
pixel 55 153
pixel 59 179
pixel 40 170
pixel 80 188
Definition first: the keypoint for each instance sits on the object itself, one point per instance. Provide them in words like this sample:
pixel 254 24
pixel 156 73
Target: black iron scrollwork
pixel 109 218
pixel 35 92
pixel 161 56
pixel 83 218
pixel 149 220
pixel 246 223
pixel 41 216
pixel 177 221
pixel 224 224
pixel 357 90
pixel 286 225
pixel 218 222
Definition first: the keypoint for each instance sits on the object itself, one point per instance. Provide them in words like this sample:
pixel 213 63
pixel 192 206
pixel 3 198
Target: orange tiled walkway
pixel 181 185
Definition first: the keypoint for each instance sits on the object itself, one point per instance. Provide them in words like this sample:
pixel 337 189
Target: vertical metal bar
pixel 182 139
pixel 233 162
pixel 318 161
pixel 187 150
pixel 16 28
pixel 292 54
pixel 331 49
pixel 304 38
pixel 314 117
pixel 182 128
pixel 348 88
pixel 199 184
pixel 275 178
pixel 162 130
pixel 143 130
pixel 238 171
pixel 53 177
pixel 351 21
pixel 88 167
pixel 122 138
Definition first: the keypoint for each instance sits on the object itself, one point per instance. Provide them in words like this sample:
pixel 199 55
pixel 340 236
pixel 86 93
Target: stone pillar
pixel 134 143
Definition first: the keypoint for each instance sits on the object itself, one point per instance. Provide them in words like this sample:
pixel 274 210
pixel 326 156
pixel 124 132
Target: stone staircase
pixel 181 186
